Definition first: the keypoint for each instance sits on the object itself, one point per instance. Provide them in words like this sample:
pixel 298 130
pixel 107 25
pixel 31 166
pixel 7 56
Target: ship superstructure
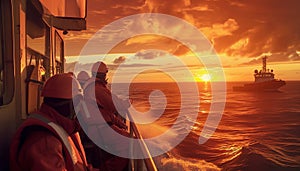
pixel 264 80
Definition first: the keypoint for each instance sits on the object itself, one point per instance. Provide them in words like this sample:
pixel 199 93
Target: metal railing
pixel 137 164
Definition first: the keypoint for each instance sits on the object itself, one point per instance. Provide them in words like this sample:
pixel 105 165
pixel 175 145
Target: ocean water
pixel 258 130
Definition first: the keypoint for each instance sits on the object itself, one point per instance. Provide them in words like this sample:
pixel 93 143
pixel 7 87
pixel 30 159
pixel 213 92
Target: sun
pixel 205 77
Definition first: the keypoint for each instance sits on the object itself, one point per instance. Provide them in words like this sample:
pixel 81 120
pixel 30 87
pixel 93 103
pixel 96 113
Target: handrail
pixel 150 165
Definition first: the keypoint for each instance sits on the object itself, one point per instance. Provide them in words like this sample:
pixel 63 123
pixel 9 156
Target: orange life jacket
pixel 74 156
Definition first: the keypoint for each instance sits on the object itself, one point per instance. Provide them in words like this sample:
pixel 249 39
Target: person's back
pixel 49 139
pixel 99 98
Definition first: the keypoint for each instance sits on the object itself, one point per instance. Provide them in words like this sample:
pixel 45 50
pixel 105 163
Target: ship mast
pixel 264 61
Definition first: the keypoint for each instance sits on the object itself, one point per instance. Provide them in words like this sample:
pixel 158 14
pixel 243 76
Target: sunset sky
pixel 240 31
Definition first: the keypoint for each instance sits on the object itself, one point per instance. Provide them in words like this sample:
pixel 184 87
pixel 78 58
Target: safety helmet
pixel 82 76
pixel 63 86
pixel 99 67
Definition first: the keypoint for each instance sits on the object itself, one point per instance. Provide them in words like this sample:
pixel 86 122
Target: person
pixel 82 77
pixel 48 140
pixel 95 89
pixel 92 151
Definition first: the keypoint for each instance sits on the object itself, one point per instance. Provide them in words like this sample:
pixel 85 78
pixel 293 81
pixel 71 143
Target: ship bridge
pixel 264 74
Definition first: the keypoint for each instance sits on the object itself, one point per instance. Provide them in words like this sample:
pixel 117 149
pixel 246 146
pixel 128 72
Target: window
pixel 37 56
pixel 6 54
pixel 38 43
pixel 59 55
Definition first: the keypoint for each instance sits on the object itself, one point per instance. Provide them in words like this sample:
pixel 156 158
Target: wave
pixel 172 163
pixel 260 157
pixel 257 131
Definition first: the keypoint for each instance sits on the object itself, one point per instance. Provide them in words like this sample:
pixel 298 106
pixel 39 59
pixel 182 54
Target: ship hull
pixel 261 86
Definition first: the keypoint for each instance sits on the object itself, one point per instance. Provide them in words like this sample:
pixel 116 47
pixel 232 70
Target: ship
pixel 32 50
pixel 264 80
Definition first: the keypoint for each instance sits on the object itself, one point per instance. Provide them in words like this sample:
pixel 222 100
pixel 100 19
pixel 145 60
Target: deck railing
pixel 140 164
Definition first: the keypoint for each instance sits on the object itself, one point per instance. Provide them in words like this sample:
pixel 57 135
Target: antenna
pixel 264 61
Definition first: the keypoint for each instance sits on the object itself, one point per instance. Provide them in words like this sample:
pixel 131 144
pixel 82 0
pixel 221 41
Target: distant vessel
pixel 264 80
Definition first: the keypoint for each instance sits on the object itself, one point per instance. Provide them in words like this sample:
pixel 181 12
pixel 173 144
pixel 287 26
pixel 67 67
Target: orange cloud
pixel 243 29
pixel 181 50
pixel 219 30
pixel 119 60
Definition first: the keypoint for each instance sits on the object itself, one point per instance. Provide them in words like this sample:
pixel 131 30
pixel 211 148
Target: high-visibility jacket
pixel 96 92
pixel 98 97
pixel 47 141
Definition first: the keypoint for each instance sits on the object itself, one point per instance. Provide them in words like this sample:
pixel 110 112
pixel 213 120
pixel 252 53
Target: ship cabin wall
pixel 31 51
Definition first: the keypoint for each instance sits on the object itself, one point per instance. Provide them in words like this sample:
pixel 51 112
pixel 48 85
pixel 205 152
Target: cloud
pixel 149 54
pixel 199 8
pixel 221 29
pixel 238 29
pixel 268 26
pixel 181 50
pixel 145 39
pixel 155 6
pixel 275 57
pixel 119 60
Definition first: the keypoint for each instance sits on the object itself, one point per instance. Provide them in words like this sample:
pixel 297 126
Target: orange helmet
pixel 82 76
pixel 63 86
pixel 99 67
